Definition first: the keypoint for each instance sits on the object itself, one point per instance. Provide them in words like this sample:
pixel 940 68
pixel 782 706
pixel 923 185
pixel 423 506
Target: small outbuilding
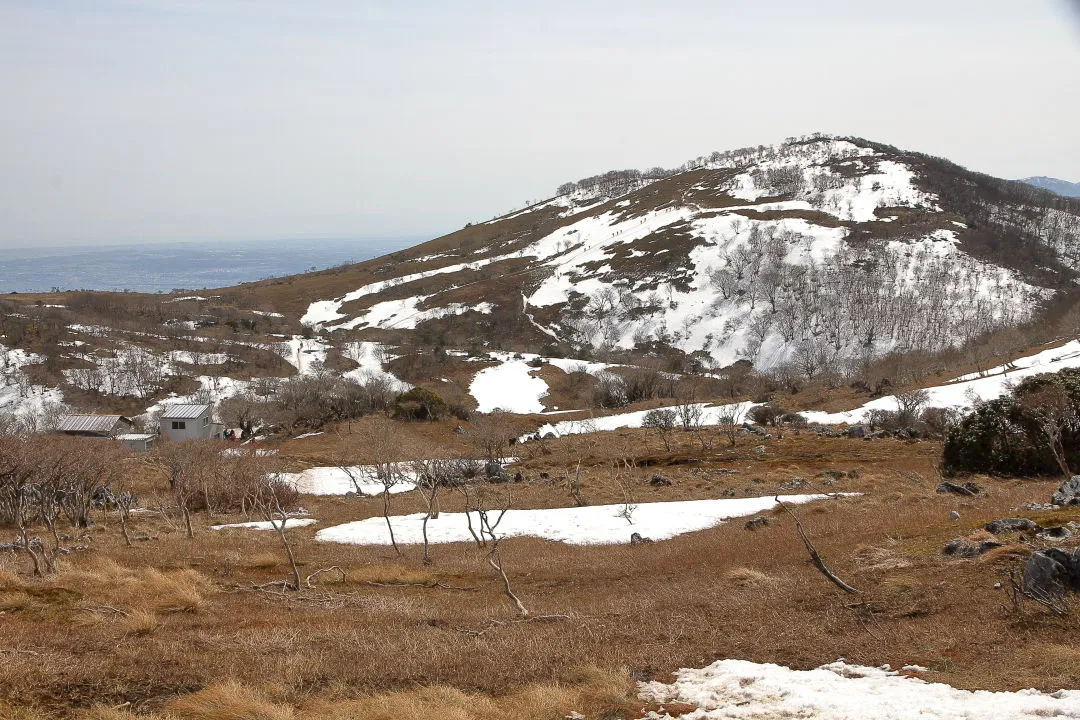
pixel 99 426
pixel 188 422
pixel 137 442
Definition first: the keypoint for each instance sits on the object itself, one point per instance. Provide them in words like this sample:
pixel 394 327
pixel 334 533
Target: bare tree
pixel 485 536
pixel 488 434
pixel 44 478
pixel 19 497
pixel 730 418
pixel 187 467
pixel 909 406
pixel 269 502
pixel 624 471
pixel 431 475
pixel 382 445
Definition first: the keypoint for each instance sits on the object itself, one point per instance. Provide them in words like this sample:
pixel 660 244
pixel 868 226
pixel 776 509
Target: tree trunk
pixel 427 557
pixel 386 515
pixel 187 519
pixel 288 551
pixel 122 513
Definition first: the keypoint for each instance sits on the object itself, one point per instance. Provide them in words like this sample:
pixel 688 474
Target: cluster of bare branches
pixel 47 479
pixel 215 477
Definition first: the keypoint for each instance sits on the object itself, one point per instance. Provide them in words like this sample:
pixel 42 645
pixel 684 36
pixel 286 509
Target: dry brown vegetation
pixel 177 628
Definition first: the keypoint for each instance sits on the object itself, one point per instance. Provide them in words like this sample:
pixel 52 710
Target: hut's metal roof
pixel 183 411
pixel 89 423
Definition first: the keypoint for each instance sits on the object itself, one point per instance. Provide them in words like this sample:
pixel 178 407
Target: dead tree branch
pixel 814 556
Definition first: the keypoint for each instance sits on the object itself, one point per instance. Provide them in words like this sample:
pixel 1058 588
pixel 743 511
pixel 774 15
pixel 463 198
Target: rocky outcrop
pixel 1011 525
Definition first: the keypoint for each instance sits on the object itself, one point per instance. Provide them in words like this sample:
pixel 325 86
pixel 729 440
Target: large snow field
pixel 595 525
pixel 743 690
pixel 710 415
pixel 966 390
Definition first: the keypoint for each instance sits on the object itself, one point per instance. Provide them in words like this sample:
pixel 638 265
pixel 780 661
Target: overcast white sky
pixel 132 120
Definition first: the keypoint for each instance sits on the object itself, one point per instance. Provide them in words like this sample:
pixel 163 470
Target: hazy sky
pixel 128 120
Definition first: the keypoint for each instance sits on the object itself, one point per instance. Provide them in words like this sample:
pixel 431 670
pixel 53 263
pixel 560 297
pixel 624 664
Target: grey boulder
pixel 966 549
pixel 1052 572
pixel 1068 493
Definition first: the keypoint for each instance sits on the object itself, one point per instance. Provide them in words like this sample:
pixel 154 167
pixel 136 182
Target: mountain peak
pixel 1054 185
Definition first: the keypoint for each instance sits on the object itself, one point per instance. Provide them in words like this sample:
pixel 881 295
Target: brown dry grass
pixel 749 578
pixel 384 641
pixel 228 700
pixel 143 589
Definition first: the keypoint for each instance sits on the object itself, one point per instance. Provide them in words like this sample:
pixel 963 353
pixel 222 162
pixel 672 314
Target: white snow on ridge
pixel 742 690
pixel 301 353
pixel 191 358
pixel 729 298
pixel 594 525
pixel 370 356
pixel 510 387
pixel 965 391
pixel 710 415
pixel 405 315
pixel 326 311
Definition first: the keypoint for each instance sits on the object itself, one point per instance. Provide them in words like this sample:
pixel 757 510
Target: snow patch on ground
pixel 595 525
pixel 508 386
pixel 739 689
pixel 301 352
pixel 290 523
pixel 339 481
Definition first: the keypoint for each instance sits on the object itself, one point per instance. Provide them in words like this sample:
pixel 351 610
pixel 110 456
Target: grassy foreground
pixel 178 628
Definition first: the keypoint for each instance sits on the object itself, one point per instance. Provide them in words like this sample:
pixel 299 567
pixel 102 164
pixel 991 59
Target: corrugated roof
pixel 183 411
pixel 89 423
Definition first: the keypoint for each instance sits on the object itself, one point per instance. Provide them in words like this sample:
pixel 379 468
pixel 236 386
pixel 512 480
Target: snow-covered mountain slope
pixel 1054 185
pixel 813 252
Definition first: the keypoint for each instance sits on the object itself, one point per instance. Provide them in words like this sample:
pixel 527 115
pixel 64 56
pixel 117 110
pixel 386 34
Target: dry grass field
pixel 178 628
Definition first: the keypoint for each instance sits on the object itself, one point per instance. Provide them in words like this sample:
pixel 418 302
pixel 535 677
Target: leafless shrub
pixel 662 421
